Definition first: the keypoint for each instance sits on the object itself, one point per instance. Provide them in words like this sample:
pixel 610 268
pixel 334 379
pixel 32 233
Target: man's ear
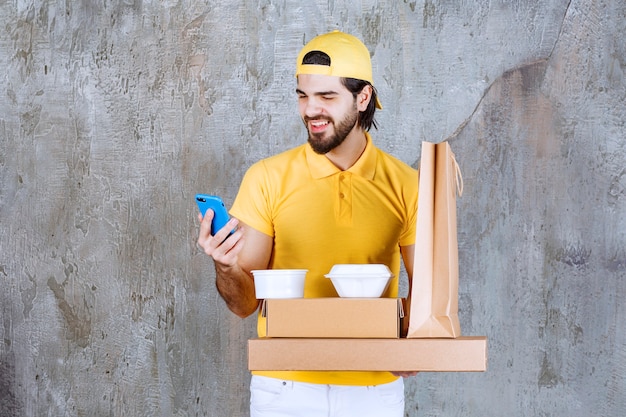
pixel 364 97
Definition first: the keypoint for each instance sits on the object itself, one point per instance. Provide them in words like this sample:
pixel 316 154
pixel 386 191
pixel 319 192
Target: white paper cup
pixel 279 283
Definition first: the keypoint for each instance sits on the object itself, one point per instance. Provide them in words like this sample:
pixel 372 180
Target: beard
pixel 321 144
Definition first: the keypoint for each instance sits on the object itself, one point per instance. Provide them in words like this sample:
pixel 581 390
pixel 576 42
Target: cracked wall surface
pixel 114 114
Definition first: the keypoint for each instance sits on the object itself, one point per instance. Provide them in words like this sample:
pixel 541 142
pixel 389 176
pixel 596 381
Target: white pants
pixel 271 397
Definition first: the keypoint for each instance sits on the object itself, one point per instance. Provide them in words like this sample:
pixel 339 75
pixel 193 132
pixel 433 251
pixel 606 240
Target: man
pixel 335 200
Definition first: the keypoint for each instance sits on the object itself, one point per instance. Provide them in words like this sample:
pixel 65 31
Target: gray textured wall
pixel 113 114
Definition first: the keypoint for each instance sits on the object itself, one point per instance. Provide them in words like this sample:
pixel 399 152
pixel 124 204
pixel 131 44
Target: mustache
pixel 316 117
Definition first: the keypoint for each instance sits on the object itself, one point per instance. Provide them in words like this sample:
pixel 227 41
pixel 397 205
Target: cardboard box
pixel 462 354
pixel 333 317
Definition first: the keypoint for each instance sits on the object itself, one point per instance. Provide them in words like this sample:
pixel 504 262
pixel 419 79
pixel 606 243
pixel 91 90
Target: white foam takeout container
pixel 360 280
pixel 279 283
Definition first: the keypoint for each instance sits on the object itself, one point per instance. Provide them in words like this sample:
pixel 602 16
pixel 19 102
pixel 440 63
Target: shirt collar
pixel 321 167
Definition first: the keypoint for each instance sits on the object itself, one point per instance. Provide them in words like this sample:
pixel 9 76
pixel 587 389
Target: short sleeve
pixel 253 204
pixel 408 235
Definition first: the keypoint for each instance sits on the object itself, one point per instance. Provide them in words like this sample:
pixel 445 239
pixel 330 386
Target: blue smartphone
pixel 220 218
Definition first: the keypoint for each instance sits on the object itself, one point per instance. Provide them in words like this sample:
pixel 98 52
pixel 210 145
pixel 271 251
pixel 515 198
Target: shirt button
pixel 341 195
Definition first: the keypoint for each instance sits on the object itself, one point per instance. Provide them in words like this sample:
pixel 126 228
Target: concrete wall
pixel 113 114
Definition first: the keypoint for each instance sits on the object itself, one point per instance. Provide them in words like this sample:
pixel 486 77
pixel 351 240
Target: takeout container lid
pixel 281 272
pixel 360 270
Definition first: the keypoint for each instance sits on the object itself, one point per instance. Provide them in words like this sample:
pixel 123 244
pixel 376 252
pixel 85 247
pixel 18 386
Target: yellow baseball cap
pixel 349 58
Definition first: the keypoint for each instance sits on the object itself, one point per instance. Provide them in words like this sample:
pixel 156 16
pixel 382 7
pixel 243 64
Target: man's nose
pixel 312 107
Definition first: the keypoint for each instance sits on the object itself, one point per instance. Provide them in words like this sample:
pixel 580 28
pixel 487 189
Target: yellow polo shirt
pixel 320 216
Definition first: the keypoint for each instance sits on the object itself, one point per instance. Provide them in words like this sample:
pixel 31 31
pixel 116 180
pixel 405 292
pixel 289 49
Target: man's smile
pixel 317 126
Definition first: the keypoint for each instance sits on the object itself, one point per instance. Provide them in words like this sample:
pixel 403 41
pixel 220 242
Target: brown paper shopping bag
pixel 433 299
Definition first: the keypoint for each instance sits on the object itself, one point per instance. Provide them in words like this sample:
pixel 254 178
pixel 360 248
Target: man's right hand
pixel 223 248
pixel 234 256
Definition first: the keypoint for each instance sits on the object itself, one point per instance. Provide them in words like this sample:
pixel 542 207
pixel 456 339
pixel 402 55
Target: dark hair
pixel 366 118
